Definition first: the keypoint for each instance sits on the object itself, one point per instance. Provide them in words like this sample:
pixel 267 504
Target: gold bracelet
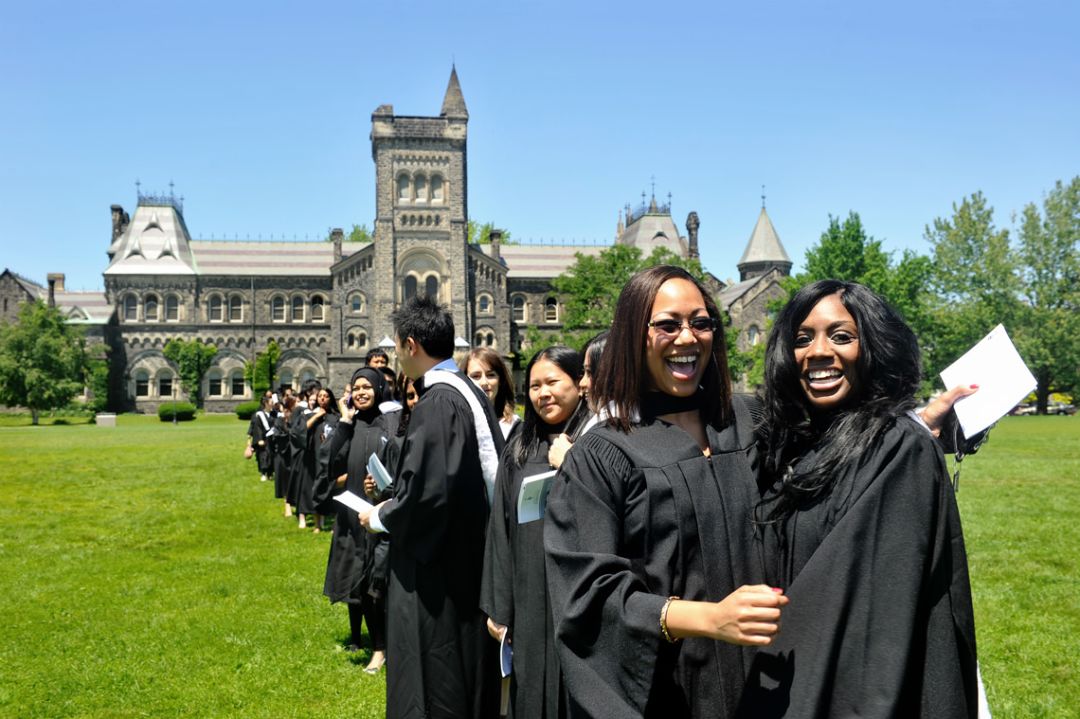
pixel 663 621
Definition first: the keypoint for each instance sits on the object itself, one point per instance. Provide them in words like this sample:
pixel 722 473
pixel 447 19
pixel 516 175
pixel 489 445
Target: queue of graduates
pixel 701 553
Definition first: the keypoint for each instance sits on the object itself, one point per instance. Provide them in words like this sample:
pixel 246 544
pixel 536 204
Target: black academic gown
pixel 442 662
pixel 258 433
pixel 880 621
pixel 298 437
pixel 351 444
pixel 633 519
pixel 515 593
pixel 279 443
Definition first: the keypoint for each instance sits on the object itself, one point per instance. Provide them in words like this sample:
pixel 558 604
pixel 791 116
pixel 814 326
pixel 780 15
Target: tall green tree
pixel 1048 333
pixel 262 373
pixel 192 359
pixel 974 280
pixel 43 360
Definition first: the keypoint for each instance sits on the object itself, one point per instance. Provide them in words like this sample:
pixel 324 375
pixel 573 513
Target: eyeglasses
pixel 697 325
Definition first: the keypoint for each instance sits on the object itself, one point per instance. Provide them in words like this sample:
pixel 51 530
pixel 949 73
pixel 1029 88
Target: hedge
pixel 244 410
pixel 184 412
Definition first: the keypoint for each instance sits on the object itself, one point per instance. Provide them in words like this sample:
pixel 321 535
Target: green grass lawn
pixel 147 572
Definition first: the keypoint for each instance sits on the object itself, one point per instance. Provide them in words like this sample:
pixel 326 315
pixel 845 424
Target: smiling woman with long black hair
pixel 859 525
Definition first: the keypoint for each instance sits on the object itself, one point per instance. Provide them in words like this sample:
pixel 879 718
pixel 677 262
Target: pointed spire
pixel 764 250
pixel 454 102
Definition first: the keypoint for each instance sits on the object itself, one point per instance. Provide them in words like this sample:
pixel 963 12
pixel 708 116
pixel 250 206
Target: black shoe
pixel 351 648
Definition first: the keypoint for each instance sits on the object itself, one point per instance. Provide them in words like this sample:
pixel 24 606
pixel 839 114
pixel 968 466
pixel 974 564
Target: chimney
pixel 496 244
pixel 56 284
pixel 336 236
pixel 119 221
pixel 692 224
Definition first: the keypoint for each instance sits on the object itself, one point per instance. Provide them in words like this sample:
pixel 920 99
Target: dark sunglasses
pixel 698 325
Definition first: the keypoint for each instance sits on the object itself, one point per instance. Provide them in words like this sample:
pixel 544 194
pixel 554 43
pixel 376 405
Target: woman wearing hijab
pixel 359 434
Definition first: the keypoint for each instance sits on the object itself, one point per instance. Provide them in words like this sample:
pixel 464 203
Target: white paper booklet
pixel 506 656
pixel 378 472
pixel 1003 379
pixel 353 501
pixel 532 499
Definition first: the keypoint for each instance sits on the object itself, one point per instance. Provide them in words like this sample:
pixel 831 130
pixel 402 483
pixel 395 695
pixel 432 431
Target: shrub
pixel 183 411
pixel 244 410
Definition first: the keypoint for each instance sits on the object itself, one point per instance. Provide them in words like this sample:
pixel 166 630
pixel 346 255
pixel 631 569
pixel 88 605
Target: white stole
pixel 489 457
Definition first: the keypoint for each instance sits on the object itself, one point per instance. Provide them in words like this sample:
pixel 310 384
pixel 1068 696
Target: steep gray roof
pixel 654 230
pixel 453 104
pixel 764 244
pixel 731 294
pixel 156 242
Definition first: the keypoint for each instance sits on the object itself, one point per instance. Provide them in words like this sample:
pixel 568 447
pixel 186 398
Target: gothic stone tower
pixel 421 209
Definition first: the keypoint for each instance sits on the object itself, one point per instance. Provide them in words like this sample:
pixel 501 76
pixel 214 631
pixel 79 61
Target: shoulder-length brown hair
pixel 621 378
pixel 504 397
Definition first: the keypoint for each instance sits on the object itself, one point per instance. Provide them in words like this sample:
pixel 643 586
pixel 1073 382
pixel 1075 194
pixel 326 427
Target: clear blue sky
pixel 260 113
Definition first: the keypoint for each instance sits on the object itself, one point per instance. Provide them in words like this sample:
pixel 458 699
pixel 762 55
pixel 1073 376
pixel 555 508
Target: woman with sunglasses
pixel 647 528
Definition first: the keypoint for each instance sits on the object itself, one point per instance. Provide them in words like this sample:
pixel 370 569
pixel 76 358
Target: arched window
pixel 165 385
pixel 356 303
pixel 421 188
pixel 277 309
pixel 285 377
pixel 350 341
pixel 213 382
pixel 131 308
pixel 404 192
pixel 479 339
pixel 236 383
pixel 172 308
pixel 150 308
pixel 490 339
pixel 236 309
pixel 361 340
pixel 753 335
pixel 316 309
pixel 305 375
pixel 298 309
pixel 431 287
pixel 436 189
pixel 142 383
pixel 483 305
pixel 519 308
pixel 551 310
pixel 215 309
pixel 410 287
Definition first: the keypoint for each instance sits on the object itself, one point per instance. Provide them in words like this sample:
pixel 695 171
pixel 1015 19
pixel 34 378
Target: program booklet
pixel 353 501
pixel 378 472
pixel 532 499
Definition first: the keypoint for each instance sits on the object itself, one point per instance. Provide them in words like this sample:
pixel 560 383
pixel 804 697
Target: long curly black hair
pixel 888 372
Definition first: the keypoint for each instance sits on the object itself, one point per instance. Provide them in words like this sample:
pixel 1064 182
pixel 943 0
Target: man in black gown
pixel 440 660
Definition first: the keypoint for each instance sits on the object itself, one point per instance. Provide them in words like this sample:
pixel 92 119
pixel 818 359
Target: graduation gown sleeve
pixel 606 618
pixel 497 587
pixel 880 622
